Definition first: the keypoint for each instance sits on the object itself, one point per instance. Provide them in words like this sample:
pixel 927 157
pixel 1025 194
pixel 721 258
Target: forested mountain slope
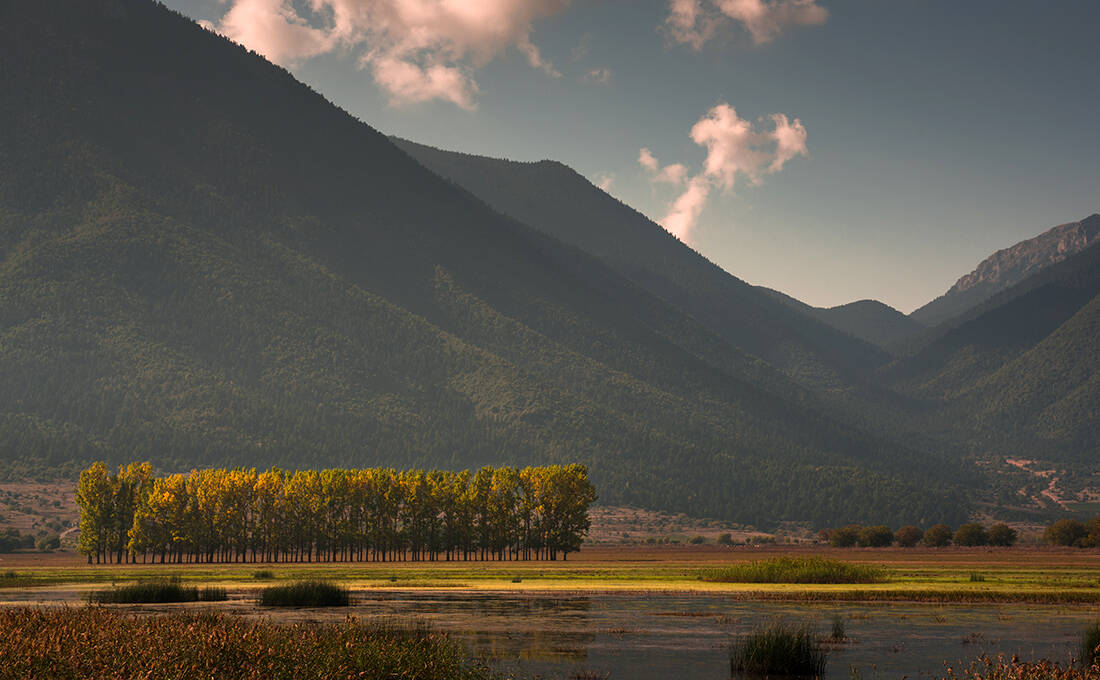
pixel 1020 372
pixel 869 320
pixel 557 200
pixel 203 262
pixel 1007 267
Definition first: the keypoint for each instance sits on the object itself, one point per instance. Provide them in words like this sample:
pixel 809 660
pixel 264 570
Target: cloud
pixel 694 22
pixel 605 180
pixel 416 50
pixel 684 212
pixel 737 150
pixel 598 76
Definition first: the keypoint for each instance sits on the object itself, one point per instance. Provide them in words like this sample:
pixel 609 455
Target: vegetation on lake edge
pixel 1000 668
pixel 778 649
pixel 156 591
pixel 817 570
pixel 311 593
pixel 84 644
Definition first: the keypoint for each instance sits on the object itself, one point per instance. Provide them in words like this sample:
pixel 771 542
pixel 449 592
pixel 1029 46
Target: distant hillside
pixel 869 320
pixel 203 262
pixel 1010 266
pixel 1019 373
pixel 557 200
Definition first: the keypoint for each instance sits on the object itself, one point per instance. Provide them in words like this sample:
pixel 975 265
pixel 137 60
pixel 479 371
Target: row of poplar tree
pixel 241 515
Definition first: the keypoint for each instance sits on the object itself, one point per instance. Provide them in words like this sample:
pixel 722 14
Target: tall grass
pixel 1090 645
pixel 987 668
pixel 305 594
pixel 796 570
pixel 155 592
pixel 778 649
pixel 93 643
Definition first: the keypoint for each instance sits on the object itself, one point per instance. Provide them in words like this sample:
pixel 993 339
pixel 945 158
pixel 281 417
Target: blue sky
pixel 921 136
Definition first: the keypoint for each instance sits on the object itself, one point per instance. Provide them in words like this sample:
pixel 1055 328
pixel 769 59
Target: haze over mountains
pixel 203 262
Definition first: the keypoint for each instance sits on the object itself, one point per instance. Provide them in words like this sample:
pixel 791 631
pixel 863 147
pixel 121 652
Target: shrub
pixel 305 594
pixel 976 577
pixel 876 537
pixel 909 536
pixel 1066 532
pixel 263 575
pixel 844 537
pixel 725 539
pixel 796 570
pixel 986 668
pixel 154 591
pixel 778 649
pixel 1002 535
pixel 938 536
pixel 698 540
pixel 1090 645
pixel 972 534
pixel 48 543
pixel 92 642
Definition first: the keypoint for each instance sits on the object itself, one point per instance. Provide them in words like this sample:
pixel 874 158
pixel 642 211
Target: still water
pixel 678 636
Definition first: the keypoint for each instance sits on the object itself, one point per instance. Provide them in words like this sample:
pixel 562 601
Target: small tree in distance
pixel 938 536
pixel 1002 535
pixel 845 537
pixel 909 536
pixel 1066 532
pixel 876 537
pixel 971 535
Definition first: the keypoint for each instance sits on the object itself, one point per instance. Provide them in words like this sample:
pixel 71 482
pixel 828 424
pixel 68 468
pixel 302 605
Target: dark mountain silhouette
pixel 1020 371
pixel 204 262
pixel 868 320
pixel 1007 267
pixel 555 199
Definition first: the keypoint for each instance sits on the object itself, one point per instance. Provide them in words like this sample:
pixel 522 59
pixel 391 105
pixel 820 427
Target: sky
pixel 833 150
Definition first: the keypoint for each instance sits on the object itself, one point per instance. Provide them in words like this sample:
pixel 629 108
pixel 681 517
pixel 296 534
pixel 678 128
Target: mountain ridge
pixel 1009 266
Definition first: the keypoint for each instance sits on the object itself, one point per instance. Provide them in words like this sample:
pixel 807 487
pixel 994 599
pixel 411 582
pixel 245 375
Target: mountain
pixel 1007 267
pixel 203 262
pixel 869 320
pixel 1020 373
pixel 558 201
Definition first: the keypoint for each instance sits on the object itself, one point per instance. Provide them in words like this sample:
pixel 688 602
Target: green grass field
pixel 1016 575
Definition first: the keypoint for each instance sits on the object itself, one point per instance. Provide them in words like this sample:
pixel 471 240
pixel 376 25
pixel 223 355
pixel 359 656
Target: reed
pixel 156 591
pixel 778 649
pixel 796 570
pixel 93 642
pixel 305 594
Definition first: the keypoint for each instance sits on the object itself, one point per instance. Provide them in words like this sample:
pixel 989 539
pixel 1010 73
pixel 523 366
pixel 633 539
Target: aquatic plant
pixel 796 570
pixel 988 668
pixel 156 591
pixel 778 649
pixel 839 632
pixel 305 594
pixel 93 642
pixel 1090 645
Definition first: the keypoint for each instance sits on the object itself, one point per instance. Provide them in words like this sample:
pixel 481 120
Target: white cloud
pixel 605 180
pixel 694 22
pixel 737 150
pixel 416 50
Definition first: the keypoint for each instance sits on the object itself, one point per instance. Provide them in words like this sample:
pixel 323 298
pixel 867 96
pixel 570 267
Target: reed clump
pixel 156 591
pixel 778 649
pixel 305 594
pixel 1090 645
pixel 989 668
pixel 797 570
pixel 84 644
